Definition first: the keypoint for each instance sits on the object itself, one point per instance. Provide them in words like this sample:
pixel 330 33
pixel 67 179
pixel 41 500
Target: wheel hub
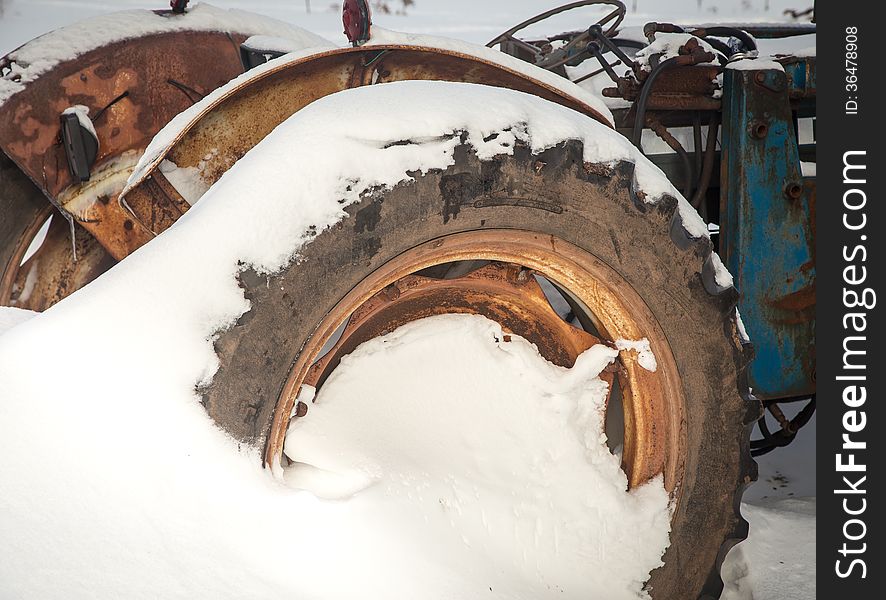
pixel 502 292
pixel 505 290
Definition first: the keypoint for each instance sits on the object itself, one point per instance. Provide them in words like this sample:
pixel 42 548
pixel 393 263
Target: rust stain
pixel 51 274
pixel 684 88
pixel 798 307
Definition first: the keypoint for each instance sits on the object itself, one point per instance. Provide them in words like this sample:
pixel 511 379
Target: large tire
pixel 590 206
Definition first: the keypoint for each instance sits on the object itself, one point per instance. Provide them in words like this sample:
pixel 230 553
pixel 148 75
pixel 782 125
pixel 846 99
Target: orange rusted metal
pixel 685 88
pixel 505 293
pixel 653 401
pixel 93 204
pixel 155 207
pixel 245 114
pixel 132 89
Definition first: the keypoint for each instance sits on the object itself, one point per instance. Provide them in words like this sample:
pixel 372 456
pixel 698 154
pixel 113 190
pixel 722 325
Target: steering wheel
pixel 562 55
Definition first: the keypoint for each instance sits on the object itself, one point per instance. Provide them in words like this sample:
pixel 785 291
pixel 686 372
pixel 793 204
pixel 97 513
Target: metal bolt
pixel 794 191
pixel 759 129
pixel 774 82
pixel 391 292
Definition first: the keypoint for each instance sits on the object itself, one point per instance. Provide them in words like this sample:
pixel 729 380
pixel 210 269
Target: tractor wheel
pixel 37 257
pixel 478 237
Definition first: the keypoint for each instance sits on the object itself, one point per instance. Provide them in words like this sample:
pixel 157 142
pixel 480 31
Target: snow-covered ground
pixel 107 534
pixel 10 317
pixel 777 562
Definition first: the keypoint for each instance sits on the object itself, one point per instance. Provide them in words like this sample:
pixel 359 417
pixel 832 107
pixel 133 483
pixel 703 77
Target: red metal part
pixel 357 19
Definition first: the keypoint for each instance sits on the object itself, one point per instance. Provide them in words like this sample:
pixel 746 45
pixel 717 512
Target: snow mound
pixel 504 465
pixel 10 317
pixel 269 43
pixel 429 114
pixel 754 64
pixel 43 53
pixel 115 481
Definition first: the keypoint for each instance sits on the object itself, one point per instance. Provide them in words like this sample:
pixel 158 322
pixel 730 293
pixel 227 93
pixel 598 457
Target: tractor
pixel 111 129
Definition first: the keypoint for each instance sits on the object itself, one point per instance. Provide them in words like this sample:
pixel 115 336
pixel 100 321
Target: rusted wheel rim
pixel 51 272
pixel 395 294
pixel 503 292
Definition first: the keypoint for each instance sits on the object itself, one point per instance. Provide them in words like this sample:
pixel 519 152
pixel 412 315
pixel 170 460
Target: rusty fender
pixel 132 89
pixel 220 134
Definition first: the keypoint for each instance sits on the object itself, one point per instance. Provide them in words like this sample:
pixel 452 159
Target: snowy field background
pixel 472 20
pixel 777 562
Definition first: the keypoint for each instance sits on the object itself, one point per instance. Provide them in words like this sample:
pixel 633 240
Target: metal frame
pixel 767 225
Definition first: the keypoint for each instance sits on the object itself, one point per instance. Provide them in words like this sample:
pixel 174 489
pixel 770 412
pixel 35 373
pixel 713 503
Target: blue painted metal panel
pixel 801 76
pixel 767 227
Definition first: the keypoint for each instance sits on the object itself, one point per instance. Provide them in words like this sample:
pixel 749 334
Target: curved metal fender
pixel 178 168
pixel 131 87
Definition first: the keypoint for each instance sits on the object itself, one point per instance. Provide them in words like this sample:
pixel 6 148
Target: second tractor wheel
pixel 40 263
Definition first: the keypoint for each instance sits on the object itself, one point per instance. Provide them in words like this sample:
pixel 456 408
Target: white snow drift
pixel 10 317
pixel 116 483
pixel 482 457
